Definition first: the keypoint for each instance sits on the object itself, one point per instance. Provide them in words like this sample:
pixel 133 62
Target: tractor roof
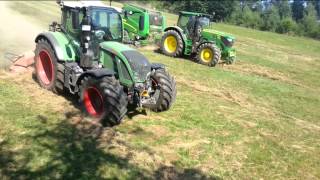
pixel 194 14
pixel 81 4
pixel 142 9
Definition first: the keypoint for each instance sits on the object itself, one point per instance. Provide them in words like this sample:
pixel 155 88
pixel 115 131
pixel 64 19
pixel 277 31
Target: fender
pixel 97 73
pixel 61 45
pixel 73 75
pixel 157 66
pixel 206 41
pixel 180 31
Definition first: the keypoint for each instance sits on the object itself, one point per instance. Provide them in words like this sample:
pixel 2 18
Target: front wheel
pixel 103 99
pixel 208 54
pixel 165 90
pixel 172 44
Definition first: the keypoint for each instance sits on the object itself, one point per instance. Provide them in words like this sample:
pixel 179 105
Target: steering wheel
pixel 108 35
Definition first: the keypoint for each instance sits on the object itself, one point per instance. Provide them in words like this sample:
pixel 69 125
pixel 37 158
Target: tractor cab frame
pixel 192 23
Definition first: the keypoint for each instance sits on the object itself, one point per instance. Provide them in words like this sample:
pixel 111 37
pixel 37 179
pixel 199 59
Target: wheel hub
pixel 206 55
pixel 170 44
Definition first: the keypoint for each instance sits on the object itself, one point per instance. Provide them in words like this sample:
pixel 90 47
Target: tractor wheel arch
pixel 60 44
pixel 97 73
pixel 180 32
pixel 53 42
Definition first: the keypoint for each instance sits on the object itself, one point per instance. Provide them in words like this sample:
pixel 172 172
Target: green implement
pixel 142 25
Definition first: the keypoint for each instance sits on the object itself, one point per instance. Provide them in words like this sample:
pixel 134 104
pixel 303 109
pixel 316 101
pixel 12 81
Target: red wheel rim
pixel 154 82
pixel 45 67
pixel 93 102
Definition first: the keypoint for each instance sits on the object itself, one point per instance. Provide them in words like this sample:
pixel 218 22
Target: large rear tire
pixel 49 72
pixel 172 44
pixel 104 100
pixel 208 54
pixel 165 88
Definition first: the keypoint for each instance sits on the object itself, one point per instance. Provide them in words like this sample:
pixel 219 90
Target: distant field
pixel 255 119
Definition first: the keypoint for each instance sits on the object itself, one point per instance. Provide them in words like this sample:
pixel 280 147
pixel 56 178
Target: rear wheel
pixel 172 44
pixel 103 99
pixel 165 90
pixel 49 72
pixel 208 54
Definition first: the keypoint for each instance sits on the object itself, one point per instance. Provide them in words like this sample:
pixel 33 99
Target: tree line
pixel 293 17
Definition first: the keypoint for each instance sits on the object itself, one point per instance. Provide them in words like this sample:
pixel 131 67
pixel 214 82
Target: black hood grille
pixel 227 42
pixel 138 63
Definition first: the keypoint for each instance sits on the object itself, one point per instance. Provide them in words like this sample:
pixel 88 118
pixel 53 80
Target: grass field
pixel 255 119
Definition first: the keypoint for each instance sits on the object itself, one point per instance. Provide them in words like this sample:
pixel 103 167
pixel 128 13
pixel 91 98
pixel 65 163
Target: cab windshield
pixel 204 21
pixel 186 22
pixel 107 21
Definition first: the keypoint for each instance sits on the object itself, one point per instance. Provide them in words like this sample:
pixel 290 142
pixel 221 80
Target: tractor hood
pixel 223 34
pixel 114 47
pixel 137 64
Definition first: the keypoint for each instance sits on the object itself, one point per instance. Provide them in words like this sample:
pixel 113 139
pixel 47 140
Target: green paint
pixel 139 22
pixel 66 45
pixel 207 35
pixel 111 56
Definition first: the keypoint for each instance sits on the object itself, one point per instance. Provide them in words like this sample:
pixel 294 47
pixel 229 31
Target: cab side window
pixel 72 21
pixel 183 21
pixel 75 19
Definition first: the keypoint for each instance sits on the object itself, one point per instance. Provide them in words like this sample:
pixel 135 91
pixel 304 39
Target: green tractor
pixel 193 35
pixel 142 25
pixel 83 56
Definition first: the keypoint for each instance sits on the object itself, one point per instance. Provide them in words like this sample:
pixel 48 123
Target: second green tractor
pixel 194 35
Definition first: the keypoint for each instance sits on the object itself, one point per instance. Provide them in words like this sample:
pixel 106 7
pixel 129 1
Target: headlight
pixel 227 41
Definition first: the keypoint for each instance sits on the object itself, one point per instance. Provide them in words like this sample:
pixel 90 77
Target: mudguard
pixel 62 47
pixel 157 66
pixel 179 30
pixel 97 73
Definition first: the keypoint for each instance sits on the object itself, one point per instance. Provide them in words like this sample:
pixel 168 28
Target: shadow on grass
pixel 64 150
pixel 70 154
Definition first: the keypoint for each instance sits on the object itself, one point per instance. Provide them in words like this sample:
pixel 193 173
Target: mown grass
pixel 255 119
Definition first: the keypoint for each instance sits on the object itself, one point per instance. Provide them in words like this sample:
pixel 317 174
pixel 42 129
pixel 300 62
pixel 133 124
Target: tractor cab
pixel 89 24
pixel 193 23
pixel 104 21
